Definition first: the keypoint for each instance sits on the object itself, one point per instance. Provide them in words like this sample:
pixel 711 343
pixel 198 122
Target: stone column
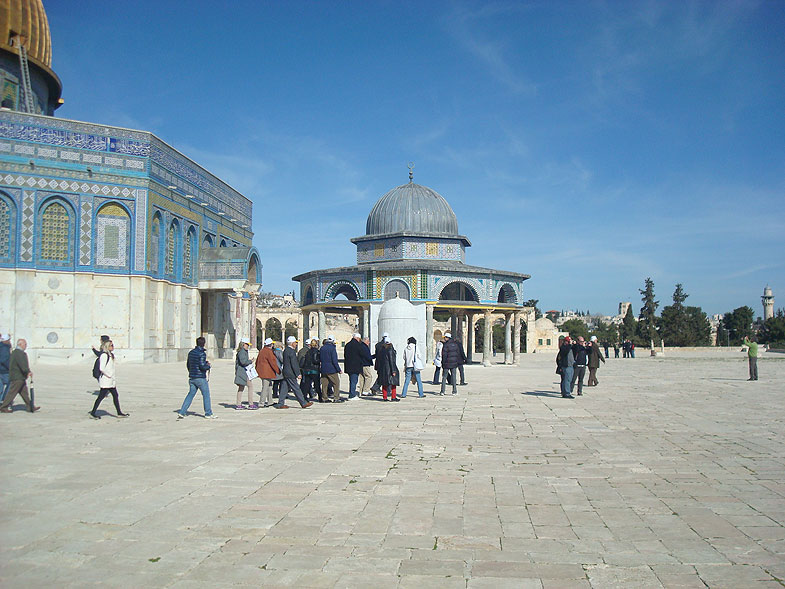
pixel 516 341
pixel 367 321
pixel 507 338
pixel 469 337
pixel 454 323
pixel 306 321
pixel 487 344
pixel 430 352
pixel 322 326
pixel 300 330
pixel 253 320
pixel 283 330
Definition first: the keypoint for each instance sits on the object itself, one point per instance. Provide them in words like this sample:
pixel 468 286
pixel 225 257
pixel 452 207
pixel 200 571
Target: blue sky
pixel 589 144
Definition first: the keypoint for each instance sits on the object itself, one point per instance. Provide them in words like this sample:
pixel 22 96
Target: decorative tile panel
pixel 28 223
pixel 141 228
pixel 85 231
pixel 112 239
pixel 5 229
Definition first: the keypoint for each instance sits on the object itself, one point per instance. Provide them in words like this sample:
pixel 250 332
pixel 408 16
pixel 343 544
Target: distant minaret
pixel 768 303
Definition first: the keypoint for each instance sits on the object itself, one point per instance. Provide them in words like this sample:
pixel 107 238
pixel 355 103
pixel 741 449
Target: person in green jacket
pixel 18 371
pixel 752 354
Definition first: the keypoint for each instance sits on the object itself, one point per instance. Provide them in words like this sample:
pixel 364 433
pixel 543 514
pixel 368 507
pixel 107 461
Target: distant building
pixel 768 303
pixel 105 230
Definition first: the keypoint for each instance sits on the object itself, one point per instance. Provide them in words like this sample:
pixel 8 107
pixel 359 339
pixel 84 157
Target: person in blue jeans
pixel 5 358
pixel 412 361
pixel 197 380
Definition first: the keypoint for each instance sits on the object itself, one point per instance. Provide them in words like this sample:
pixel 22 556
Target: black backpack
pixel 97 367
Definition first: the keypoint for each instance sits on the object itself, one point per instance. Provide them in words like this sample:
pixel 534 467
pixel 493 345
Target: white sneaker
pixel 213 416
pixel 353 398
pixel 180 416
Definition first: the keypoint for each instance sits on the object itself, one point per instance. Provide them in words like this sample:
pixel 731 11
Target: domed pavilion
pixel 412 249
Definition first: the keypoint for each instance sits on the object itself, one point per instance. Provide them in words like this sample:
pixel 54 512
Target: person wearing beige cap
pixel 241 363
pixel 5 359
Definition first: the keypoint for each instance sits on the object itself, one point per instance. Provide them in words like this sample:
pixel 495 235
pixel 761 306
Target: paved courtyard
pixel 670 473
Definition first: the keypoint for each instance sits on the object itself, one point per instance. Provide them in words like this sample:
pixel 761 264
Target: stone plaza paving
pixel 669 473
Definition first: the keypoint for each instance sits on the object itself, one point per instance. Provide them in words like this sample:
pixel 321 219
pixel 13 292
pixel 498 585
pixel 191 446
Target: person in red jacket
pixel 267 368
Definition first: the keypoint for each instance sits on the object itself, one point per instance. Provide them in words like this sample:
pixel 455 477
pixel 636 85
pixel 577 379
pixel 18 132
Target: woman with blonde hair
pixel 106 380
pixel 241 379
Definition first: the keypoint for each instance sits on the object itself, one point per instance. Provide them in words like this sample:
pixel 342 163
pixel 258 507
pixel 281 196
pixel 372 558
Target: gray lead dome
pixel 412 208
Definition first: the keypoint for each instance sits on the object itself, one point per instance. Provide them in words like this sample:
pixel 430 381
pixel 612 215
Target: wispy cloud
pixel 464 24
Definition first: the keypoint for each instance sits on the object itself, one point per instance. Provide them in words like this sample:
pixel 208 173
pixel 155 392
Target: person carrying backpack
pixel 106 379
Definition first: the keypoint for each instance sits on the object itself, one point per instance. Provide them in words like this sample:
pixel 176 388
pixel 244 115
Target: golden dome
pixel 27 18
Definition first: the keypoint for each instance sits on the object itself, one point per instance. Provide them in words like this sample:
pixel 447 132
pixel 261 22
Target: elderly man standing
pixel 330 371
pixel 594 362
pixel 5 359
pixel 366 379
pixel 353 364
pixel 291 372
pixel 18 371
pixel 452 358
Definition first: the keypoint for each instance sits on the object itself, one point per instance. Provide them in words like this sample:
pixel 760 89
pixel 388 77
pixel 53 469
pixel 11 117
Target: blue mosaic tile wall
pixel 407 248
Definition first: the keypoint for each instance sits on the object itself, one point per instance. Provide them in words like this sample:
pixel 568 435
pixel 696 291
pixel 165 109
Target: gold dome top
pixel 27 18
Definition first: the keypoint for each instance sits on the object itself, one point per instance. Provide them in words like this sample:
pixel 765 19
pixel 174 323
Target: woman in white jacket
pixel 107 380
pixel 412 361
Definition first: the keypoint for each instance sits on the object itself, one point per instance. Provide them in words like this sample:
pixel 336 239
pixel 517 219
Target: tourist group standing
pixel 572 360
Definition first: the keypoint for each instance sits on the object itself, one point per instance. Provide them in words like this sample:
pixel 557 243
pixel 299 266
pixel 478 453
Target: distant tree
pixel 673 322
pixel 497 331
pixel 773 330
pixel 647 319
pixel 533 303
pixel 628 326
pixel 553 315
pixel 606 332
pixel 738 324
pixel 575 327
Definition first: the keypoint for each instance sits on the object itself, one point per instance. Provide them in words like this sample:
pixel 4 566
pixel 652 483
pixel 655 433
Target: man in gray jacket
pixel 291 372
pixel 18 373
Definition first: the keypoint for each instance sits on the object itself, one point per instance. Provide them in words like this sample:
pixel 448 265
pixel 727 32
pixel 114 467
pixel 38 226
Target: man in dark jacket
pixel 565 359
pixel 18 371
pixel 291 372
pixel 353 363
pixel 581 359
pixel 595 356
pixel 308 358
pixel 328 366
pixel 452 357
pixel 5 358
pixel 198 366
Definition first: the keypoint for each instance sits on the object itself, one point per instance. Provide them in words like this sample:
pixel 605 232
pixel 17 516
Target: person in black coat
pixel 387 368
pixel 452 357
pixel 291 372
pixel 353 363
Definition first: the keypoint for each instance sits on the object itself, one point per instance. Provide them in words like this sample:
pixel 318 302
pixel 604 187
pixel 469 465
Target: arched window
pixel 253 269
pixel 223 243
pixel 396 288
pixel 507 295
pixel 188 254
pixel 7 229
pixel 172 248
pixel 56 235
pixel 207 242
pixel 458 291
pixel 154 250
pixel 308 299
pixel 113 225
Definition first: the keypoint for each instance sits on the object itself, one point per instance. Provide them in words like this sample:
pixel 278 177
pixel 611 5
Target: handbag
pixel 418 365
pixel 250 372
